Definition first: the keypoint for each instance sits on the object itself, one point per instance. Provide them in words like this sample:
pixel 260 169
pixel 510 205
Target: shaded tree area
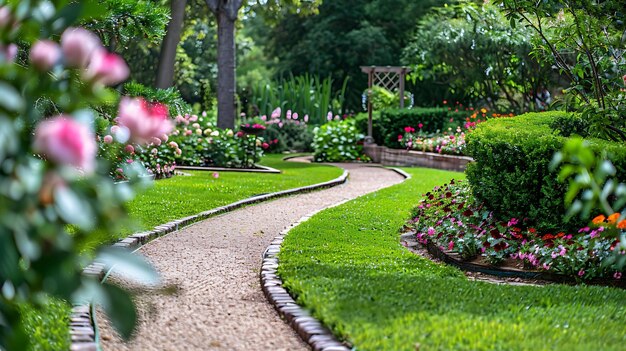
pixel 344 35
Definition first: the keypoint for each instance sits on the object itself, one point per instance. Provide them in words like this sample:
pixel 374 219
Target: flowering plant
pixel 452 219
pixel 50 177
pixel 449 142
pixel 287 133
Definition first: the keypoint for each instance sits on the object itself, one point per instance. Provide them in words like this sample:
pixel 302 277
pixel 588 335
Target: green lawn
pixel 182 196
pixel 347 266
pixel 174 198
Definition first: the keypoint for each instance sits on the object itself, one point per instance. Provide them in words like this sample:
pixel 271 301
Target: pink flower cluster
pixel 144 121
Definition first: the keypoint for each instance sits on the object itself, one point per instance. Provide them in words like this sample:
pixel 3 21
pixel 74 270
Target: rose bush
pixel 50 177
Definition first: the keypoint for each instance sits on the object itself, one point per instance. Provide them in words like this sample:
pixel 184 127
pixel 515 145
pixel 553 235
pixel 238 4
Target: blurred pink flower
pixel 108 139
pixel 295 115
pixel 143 120
pixel 288 114
pixel 66 141
pixel 78 46
pixel 194 118
pixel 8 53
pixel 306 118
pixel 329 117
pixel 106 68
pixel 155 141
pixel 265 146
pixel 6 18
pixel 44 54
pixel 178 152
pixel 617 275
pixel 130 149
pixel 276 113
pixel 216 175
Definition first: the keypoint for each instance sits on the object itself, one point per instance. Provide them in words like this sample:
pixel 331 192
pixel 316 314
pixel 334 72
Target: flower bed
pixel 450 218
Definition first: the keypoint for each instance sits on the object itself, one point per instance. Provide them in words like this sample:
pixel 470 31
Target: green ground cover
pixel 347 266
pixel 174 198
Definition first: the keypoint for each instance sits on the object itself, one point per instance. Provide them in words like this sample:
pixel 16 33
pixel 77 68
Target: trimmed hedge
pixel 511 169
pixel 390 123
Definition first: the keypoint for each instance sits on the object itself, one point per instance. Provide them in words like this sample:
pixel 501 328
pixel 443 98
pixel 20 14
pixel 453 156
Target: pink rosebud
pixel 276 113
pixel 451 245
pixel 78 46
pixel 173 144
pixel 280 124
pixel 329 116
pixel 8 53
pixel 216 175
pixel 66 141
pixel 106 68
pixel 194 118
pixel 144 121
pixel 115 129
pixel 130 149
pixel 108 139
pixel 164 138
pixel 44 54
pixel 265 146
pixel 288 114
pixel 431 231
pixel 295 115
pixel 306 118
pixel 155 141
pixel 581 273
pixel 264 118
pixel 203 113
pixel 178 152
pixel 5 16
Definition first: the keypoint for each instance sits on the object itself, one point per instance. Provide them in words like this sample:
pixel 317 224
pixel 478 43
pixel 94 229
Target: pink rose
pixel 130 149
pixel 106 68
pixel 66 141
pixel 108 139
pixel 143 120
pixel 78 46
pixel 295 115
pixel 44 54
pixel 216 175
pixel 306 118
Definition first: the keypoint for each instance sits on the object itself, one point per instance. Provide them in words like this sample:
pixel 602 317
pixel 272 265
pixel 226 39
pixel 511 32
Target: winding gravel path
pixel 219 304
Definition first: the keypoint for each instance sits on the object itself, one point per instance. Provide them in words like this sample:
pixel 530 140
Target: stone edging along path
pixel 83 331
pixel 309 328
pixel 258 169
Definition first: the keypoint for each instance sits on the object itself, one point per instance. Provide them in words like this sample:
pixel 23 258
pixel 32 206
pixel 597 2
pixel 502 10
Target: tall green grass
pixel 306 95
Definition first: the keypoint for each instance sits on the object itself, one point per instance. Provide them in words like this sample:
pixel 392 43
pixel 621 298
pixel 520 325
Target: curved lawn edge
pixel 348 267
pixel 310 329
pixel 258 169
pixel 83 323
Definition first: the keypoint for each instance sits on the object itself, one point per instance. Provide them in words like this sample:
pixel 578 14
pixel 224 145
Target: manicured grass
pixel 347 266
pixel 182 196
pixel 48 330
pixel 174 198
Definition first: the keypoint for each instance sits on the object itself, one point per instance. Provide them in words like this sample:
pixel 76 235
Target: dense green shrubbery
pixel 336 141
pixel 511 173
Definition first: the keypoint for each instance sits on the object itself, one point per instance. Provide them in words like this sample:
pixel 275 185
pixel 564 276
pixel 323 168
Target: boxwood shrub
pixel 511 169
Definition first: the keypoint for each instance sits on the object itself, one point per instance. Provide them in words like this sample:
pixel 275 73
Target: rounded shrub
pixel 511 172
pixel 337 141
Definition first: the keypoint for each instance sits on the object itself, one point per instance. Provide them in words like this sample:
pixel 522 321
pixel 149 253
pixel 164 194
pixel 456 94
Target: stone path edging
pixel 258 169
pixel 83 336
pixel 309 328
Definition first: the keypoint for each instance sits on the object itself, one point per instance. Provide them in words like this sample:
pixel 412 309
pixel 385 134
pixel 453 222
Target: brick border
pixel 411 158
pixel 309 328
pixel 83 326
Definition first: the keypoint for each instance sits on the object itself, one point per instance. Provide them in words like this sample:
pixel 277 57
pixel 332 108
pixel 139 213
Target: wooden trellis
pixel 390 78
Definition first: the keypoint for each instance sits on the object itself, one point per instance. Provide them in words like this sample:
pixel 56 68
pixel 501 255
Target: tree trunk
pixel 167 57
pixel 226 70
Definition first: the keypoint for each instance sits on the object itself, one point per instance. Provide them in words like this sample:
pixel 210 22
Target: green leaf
pixel 11 99
pixel 72 208
pixel 120 309
pixel 129 265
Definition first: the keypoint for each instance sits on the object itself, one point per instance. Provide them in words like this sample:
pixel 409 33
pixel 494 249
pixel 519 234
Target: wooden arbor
pixel 390 78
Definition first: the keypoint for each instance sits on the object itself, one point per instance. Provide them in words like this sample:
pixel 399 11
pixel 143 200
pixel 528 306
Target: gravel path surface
pixel 215 264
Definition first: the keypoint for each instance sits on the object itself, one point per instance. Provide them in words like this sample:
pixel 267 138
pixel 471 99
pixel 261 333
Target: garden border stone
pixel 83 326
pixel 258 169
pixel 410 158
pixel 310 329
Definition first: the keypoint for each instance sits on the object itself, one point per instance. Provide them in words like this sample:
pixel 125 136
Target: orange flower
pixel 613 218
pixel 598 219
pixel 622 224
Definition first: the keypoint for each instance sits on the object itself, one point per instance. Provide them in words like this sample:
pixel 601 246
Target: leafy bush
pixel 511 170
pixel 336 141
